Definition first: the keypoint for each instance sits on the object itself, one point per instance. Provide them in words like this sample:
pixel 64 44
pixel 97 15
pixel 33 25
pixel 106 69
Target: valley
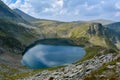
pixel 20 31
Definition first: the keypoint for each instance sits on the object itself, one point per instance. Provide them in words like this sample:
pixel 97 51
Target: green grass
pixel 92 51
pixel 79 31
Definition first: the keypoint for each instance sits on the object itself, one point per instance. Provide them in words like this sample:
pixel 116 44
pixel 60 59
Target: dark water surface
pixel 43 56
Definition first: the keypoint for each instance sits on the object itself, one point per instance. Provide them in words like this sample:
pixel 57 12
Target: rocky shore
pixel 77 71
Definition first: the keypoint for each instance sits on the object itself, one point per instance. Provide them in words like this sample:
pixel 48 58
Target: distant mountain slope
pixel 24 15
pixel 102 21
pixel 114 26
pixel 7 13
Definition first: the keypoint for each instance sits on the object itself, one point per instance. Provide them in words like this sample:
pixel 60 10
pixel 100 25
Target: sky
pixel 69 10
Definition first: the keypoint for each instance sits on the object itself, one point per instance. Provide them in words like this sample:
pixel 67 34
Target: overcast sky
pixel 69 10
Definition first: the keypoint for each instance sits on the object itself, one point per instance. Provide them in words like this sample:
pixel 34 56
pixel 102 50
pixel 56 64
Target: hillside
pixel 14 37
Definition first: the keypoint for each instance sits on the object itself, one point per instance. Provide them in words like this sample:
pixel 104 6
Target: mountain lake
pixel 44 56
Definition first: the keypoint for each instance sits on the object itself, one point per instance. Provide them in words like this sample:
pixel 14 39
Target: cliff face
pixel 96 29
pixel 109 35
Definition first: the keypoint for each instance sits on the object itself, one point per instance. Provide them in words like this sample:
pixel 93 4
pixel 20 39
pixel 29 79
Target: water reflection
pixel 42 56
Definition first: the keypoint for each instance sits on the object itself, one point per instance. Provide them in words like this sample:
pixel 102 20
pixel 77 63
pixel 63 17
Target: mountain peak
pixel 7 13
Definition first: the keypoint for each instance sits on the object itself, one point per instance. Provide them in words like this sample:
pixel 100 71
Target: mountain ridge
pixel 24 15
pixel 7 13
pixel 102 21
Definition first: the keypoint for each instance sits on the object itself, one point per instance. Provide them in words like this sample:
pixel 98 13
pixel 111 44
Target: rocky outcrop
pixel 74 71
pixel 96 29
pixel 109 36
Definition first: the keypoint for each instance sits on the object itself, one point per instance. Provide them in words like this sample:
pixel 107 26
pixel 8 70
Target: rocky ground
pixel 81 71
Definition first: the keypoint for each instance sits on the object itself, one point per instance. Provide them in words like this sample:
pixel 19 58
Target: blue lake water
pixel 43 56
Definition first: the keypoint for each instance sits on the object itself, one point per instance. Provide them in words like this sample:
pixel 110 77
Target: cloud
pixel 117 14
pixel 58 3
pixel 68 10
pixel 117 5
pixel 16 4
pixel 39 56
pixel 7 1
pixel 55 7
